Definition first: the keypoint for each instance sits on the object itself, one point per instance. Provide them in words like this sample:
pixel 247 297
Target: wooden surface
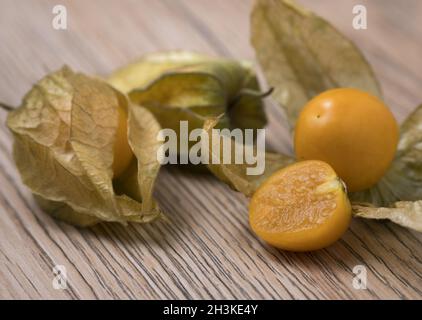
pixel 207 249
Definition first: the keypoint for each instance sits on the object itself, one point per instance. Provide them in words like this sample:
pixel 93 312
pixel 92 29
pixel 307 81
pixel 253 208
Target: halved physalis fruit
pixel 301 207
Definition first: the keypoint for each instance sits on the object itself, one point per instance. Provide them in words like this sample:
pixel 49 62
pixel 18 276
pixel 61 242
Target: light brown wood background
pixel 207 250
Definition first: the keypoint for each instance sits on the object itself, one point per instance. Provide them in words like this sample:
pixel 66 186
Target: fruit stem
pixel 254 93
pixel 6 107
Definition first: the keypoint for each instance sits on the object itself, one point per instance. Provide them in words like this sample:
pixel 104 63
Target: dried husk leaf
pixel 180 85
pixel 399 192
pixel 235 175
pixel 302 55
pixel 143 130
pixel 64 136
pixel 62 211
pixel 405 213
pixel 150 67
pixel 403 181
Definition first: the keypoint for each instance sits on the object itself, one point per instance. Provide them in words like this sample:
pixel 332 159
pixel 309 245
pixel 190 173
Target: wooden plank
pixel 206 250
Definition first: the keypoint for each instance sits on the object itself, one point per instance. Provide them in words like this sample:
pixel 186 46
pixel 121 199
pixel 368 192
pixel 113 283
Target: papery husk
pixel 235 175
pixel 399 192
pixel 151 66
pixel 182 85
pixel 403 180
pixel 303 55
pixel 64 134
pixel 405 213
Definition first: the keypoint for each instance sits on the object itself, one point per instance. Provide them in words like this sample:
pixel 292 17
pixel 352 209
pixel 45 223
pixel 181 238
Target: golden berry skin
pixel 352 131
pixel 123 154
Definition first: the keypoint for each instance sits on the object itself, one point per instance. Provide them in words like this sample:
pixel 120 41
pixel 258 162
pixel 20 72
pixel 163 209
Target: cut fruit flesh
pixel 301 207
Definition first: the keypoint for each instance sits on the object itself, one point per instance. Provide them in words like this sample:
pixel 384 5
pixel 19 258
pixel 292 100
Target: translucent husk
pixel 183 85
pixel 64 134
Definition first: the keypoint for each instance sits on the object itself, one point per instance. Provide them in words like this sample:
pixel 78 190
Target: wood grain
pixel 206 250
